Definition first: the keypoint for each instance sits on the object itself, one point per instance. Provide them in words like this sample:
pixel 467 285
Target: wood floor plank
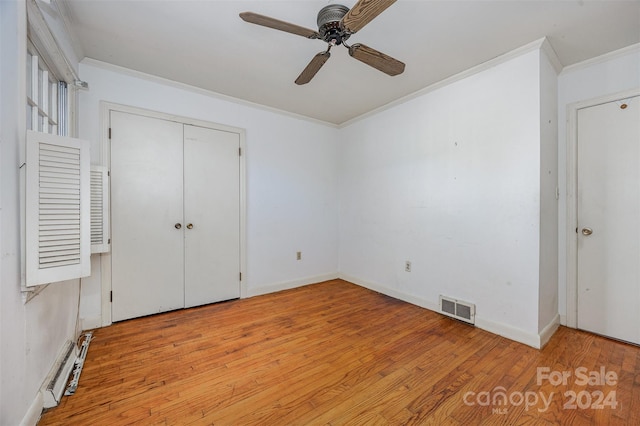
pixel 337 354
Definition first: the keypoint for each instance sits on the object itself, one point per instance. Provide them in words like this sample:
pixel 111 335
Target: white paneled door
pixel 609 219
pixel 146 203
pixel 175 215
pixel 212 215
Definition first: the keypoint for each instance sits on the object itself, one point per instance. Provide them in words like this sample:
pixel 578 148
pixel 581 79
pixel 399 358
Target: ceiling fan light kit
pixel 336 23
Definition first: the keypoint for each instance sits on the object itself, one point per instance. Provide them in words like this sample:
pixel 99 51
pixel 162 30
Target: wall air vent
pixel 458 309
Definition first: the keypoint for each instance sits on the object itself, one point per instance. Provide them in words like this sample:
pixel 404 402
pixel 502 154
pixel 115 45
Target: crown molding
pixel 628 50
pixel 530 47
pixel 551 54
pixel 189 88
pixel 64 13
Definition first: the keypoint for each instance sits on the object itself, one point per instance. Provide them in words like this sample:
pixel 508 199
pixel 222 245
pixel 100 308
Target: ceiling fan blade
pixel 363 12
pixel 314 66
pixel 276 24
pixel 377 60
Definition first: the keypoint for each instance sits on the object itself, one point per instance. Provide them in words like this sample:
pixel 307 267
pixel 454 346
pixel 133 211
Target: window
pixel 57 235
pixel 46 97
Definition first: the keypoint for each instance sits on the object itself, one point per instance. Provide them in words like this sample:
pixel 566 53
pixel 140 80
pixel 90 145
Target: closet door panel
pixel 212 215
pixel 146 206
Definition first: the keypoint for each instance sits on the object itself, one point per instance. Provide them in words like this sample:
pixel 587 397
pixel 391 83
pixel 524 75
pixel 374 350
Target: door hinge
pixel 111 296
pixel 109 132
pixel 240 276
pixel 240 152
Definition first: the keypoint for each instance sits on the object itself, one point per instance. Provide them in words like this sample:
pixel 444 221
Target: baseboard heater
pixel 71 358
pixel 463 311
pixel 57 379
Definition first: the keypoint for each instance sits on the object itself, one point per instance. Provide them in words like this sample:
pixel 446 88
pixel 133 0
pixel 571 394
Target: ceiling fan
pixel 336 23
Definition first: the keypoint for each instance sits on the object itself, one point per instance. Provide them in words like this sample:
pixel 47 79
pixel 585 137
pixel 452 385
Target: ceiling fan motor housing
pixel 329 26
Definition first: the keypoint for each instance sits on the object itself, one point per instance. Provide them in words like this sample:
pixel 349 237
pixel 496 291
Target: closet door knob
pixel 190 226
pixel 178 226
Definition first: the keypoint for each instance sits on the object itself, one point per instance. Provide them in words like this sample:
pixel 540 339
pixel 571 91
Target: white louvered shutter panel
pixel 99 209
pixel 58 245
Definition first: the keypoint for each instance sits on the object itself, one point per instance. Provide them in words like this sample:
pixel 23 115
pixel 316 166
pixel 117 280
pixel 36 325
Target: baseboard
pixel 563 320
pixel 287 285
pixel 504 330
pixel 90 323
pixel 511 333
pixel 549 330
pixel 34 412
pixel 414 300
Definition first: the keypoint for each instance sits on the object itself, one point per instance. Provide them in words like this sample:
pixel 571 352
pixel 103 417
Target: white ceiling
pixel 205 44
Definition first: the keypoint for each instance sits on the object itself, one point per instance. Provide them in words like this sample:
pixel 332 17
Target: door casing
pixel 105 259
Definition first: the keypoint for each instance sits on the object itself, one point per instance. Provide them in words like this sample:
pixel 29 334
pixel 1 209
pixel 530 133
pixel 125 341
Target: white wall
pixel 291 175
pixel 451 182
pixel 32 334
pixel 612 73
pixel 548 291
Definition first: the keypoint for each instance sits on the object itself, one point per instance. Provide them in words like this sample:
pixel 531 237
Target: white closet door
pixel 212 215
pixel 608 226
pixel 146 196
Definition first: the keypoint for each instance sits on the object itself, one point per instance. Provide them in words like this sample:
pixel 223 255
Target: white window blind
pixel 58 244
pixel 99 209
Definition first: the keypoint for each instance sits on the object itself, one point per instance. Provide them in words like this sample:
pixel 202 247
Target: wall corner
pixel 551 55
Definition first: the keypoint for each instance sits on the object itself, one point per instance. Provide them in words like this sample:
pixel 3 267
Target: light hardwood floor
pixel 335 353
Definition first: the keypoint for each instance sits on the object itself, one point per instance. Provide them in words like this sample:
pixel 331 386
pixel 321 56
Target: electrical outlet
pixel 298 255
pixel 407 266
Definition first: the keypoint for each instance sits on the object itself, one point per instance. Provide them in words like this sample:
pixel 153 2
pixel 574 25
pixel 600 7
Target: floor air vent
pixel 458 309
